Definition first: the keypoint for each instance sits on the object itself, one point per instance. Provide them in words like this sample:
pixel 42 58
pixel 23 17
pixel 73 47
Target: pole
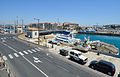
pixel 38 29
pixel 22 25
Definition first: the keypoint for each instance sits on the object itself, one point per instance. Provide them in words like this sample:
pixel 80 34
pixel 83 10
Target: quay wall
pixel 50 32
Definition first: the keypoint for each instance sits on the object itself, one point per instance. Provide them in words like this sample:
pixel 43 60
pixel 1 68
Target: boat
pixel 74 42
pixel 67 39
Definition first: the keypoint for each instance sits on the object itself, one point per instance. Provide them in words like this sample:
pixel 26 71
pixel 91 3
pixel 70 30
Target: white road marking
pixel 4 57
pixel 40 48
pixel 33 50
pixel 29 51
pixel 36 67
pixel 10 56
pixel 37 49
pixel 36 60
pixel 9 47
pixel 21 53
pixel 25 52
pixel 62 68
pixel 16 54
pixel 27 60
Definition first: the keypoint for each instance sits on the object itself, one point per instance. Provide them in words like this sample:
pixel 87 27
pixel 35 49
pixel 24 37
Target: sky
pixel 84 12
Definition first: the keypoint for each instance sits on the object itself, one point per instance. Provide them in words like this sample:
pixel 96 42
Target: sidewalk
pixel 4 70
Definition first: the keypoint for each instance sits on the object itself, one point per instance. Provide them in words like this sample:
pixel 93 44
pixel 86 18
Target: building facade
pixel 70 25
pixel 43 26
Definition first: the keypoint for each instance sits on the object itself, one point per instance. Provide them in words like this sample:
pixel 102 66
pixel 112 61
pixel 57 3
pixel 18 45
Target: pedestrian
pixel 98 53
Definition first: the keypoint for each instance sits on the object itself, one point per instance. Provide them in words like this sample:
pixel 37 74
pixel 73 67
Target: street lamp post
pixel 38 28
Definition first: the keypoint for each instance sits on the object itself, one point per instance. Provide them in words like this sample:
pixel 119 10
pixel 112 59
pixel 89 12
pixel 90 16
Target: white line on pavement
pixel 16 54
pixel 9 47
pixel 10 56
pixel 37 49
pixel 4 57
pixel 36 67
pixel 62 68
pixel 21 53
pixel 25 52
pixel 29 51
pixel 40 48
pixel 27 60
pixel 33 50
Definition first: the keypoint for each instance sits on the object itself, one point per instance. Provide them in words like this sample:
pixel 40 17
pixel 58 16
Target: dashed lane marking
pixel 4 57
pixel 21 53
pixel 25 52
pixel 33 50
pixel 10 56
pixel 29 51
pixel 16 54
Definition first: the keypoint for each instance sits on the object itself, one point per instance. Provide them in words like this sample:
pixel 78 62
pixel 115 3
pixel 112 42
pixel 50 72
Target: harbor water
pixel 113 40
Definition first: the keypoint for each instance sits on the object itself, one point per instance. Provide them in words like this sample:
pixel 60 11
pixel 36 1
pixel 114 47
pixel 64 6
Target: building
pixel 70 25
pixel 43 26
pixel 12 29
pixel 59 27
pixel 19 29
pixel 32 32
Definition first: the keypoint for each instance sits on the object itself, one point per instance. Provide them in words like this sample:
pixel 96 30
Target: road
pixel 28 61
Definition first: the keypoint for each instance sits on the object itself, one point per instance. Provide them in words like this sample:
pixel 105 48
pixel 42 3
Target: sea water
pixel 113 40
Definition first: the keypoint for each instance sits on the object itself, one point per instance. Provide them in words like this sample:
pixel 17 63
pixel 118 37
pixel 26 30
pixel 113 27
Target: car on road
pixel 103 66
pixel 77 56
pixel 64 52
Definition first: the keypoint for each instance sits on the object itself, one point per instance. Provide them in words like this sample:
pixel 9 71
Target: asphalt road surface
pixel 27 61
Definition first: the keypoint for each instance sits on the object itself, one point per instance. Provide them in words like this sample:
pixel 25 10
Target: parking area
pixel 91 57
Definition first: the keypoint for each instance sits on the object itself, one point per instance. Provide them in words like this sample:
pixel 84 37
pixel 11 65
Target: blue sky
pixel 84 12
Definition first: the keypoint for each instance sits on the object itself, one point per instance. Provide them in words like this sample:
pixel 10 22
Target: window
pixel 76 55
pixel 72 53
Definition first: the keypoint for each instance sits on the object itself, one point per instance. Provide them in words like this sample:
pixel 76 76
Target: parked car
pixel 77 56
pixel 64 52
pixel 51 41
pixel 103 66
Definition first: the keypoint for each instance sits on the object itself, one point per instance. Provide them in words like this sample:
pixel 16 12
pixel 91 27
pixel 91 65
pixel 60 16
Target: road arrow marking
pixel 36 60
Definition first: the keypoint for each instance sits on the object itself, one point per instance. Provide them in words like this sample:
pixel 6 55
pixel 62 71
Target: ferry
pixel 71 41
pixel 67 39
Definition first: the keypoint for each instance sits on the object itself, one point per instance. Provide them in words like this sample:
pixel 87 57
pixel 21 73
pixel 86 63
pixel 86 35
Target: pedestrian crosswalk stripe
pixel 37 49
pixel 4 57
pixel 29 51
pixel 40 48
pixel 16 54
pixel 33 50
pixel 25 52
pixel 10 56
pixel 21 53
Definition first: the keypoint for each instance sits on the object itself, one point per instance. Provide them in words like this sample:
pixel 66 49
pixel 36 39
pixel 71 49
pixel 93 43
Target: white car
pixel 77 55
